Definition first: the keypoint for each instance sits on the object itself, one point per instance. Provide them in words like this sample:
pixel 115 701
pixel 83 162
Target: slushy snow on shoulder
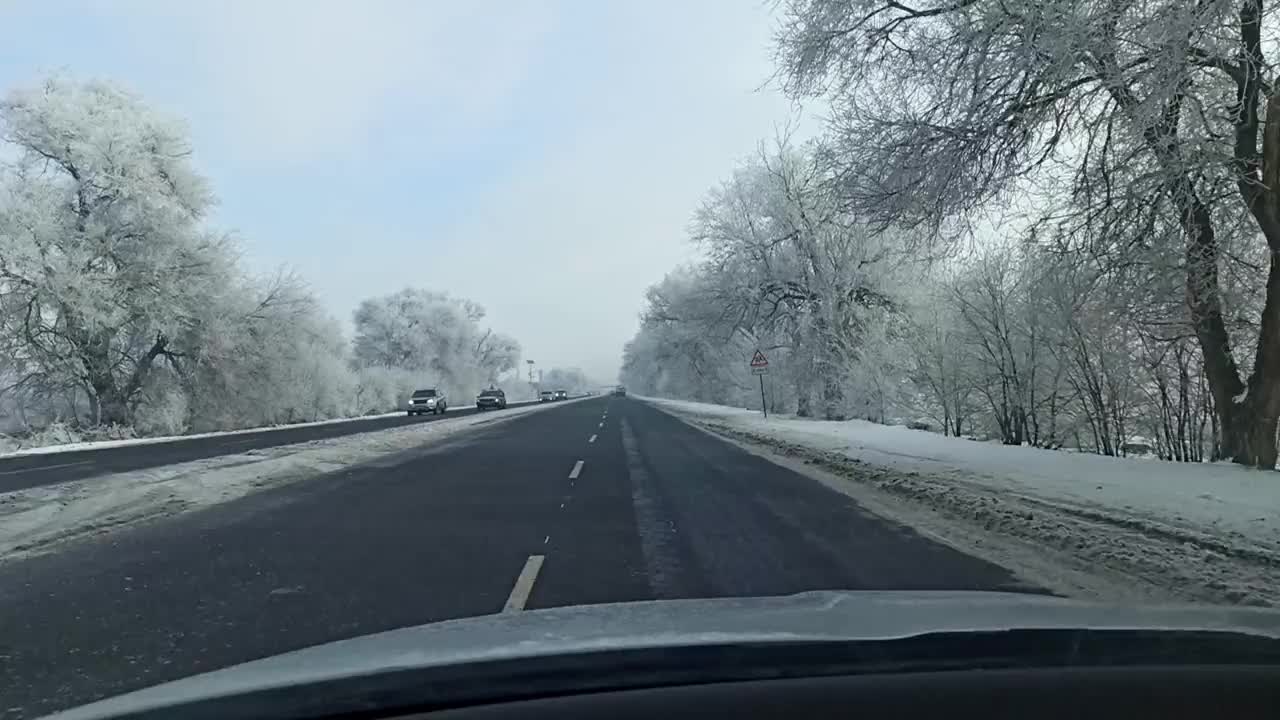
pixel 1207 531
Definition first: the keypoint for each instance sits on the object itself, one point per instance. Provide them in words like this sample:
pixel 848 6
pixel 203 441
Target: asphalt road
pixel 27 471
pixel 621 502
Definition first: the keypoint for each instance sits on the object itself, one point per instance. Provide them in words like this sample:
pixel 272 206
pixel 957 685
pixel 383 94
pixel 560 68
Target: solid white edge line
pixel 45 467
pixel 577 468
pixel 524 584
pixel 593 439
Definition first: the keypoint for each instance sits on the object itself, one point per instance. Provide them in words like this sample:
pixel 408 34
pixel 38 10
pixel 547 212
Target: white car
pixel 427 401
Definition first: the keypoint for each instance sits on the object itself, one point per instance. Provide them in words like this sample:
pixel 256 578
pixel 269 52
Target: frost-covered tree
pixel 1130 125
pixel 788 271
pixel 677 351
pixel 938 347
pixel 787 261
pixel 272 355
pixel 436 336
pixel 571 379
pixel 105 268
pixel 120 307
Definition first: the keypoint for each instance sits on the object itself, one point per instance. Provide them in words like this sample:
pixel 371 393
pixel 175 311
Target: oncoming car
pixel 562 395
pixel 546 396
pixel 427 401
pixel 491 399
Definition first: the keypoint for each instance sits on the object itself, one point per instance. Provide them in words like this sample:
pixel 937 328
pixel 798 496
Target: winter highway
pixel 599 500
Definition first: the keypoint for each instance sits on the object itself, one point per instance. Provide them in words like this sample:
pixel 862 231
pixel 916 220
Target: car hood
pixel 814 616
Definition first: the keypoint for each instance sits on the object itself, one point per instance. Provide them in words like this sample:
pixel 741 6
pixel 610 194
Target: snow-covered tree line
pixel 1091 195
pixel 1022 341
pixel 1140 141
pixel 121 308
pixel 571 379
pixel 1036 346
pixel 786 269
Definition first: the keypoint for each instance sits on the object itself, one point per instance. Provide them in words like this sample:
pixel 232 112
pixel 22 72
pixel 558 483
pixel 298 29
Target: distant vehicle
pixel 491 399
pixel 546 396
pixel 620 391
pixel 427 401
pixel 562 394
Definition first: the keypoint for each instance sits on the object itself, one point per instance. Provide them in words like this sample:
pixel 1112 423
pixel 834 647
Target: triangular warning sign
pixel 759 360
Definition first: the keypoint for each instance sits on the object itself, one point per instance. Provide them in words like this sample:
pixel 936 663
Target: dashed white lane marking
pixel 546 540
pixel 593 439
pixel 46 467
pixel 600 425
pixel 577 468
pixel 524 584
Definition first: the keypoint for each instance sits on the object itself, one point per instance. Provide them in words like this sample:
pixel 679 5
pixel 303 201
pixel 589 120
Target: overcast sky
pixel 541 158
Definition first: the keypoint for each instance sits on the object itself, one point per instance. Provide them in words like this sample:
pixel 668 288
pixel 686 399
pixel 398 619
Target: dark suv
pixel 491 399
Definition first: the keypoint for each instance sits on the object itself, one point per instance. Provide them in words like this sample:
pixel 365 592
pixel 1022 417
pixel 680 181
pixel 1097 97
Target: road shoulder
pixel 1034 563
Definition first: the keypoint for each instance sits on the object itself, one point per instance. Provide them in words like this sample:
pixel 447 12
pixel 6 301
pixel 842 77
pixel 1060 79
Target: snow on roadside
pixel 1195 531
pixel 104 444
pixel 35 520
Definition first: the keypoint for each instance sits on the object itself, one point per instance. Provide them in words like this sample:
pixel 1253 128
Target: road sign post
pixel 760 366
pixel 763 408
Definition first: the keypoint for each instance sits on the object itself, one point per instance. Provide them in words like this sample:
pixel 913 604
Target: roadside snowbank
pixel 1197 531
pixel 35 520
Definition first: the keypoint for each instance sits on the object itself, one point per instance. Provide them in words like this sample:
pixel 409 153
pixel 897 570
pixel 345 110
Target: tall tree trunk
pixel 1243 419
pixel 804 405
pixel 1248 419
pixel 1249 422
pixel 1204 300
pixel 94 347
pixel 112 406
pixel 95 408
pixel 832 398
pixel 831 367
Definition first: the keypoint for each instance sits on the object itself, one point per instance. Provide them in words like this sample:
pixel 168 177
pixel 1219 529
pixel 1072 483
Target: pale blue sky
pixel 375 145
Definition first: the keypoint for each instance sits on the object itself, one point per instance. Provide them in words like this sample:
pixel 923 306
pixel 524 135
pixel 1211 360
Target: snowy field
pixel 1188 531
pixel 36 520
